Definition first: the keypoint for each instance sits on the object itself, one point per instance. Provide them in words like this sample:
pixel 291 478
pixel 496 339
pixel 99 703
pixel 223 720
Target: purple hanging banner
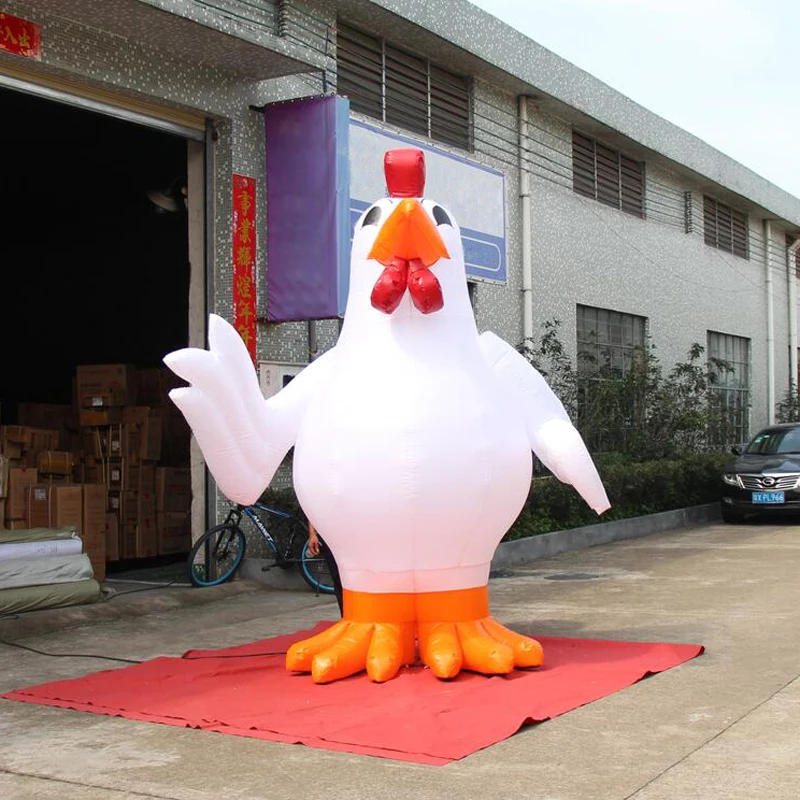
pixel 308 232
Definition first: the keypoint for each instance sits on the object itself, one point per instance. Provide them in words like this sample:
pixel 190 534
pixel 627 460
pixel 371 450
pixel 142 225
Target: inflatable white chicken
pixel 412 439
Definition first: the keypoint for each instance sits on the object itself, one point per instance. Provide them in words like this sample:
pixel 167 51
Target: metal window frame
pixel 626 351
pixel 719 346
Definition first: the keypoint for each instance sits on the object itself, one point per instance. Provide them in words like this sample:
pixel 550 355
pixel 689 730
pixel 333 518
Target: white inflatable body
pixel 412 436
pixel 411 460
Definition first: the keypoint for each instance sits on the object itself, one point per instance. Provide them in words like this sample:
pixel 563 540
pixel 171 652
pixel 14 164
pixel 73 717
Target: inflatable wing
pixel 243 437
pixel 552 436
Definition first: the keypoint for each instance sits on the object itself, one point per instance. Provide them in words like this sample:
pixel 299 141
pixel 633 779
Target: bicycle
pixel 218 553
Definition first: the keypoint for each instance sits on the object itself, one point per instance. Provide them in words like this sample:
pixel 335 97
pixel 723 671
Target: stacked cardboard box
pixel 120 427
pixel 82 506
pixel 37 489
pixel 20 447
pixel 154 386
pixel 173 501
pixel 121 444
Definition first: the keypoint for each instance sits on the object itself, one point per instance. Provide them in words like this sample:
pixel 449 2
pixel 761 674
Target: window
pixel 731 389
pixel 610 346
pixel 608 341
pixel 394 86
pixel 606 175
pixel 725 228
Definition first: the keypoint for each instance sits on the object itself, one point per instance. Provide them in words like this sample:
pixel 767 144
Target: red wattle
pixel 391 286
pixel 426 291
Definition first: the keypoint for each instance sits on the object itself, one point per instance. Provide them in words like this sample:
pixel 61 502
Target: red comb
pixel 405 172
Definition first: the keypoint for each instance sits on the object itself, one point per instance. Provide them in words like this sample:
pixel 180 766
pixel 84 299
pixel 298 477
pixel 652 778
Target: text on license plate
pixel 768 497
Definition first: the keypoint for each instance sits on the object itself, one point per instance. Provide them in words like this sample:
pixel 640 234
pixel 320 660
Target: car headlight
pixel 730 478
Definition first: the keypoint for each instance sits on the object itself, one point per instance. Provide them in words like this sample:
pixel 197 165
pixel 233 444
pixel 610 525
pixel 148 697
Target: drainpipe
pixel 525 199
pixel 791 280
pixel 770 326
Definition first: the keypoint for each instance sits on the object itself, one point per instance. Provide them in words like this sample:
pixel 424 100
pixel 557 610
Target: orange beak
pixel 409 233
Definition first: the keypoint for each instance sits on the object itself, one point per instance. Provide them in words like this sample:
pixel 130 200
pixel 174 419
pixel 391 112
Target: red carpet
pixel 414 717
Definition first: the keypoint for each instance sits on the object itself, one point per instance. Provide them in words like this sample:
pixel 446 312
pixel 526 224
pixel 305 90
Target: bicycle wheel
pixel 315 572
pixel 216 556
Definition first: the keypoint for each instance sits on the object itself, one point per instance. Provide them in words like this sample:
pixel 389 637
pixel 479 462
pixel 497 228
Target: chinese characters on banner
pixel 244 260
pixel 21 37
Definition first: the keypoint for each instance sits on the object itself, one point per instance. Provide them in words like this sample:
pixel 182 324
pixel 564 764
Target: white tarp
pixel 39 549
pixel 43 571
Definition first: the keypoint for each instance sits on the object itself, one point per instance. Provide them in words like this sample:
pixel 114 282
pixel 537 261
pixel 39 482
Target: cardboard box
pixel 54 505
pixel 147 478
pixel 146 539
pixel 128 508
pixel 143 432
pixel 174 532
pixel 94 527
pixel 94 442
pixel 140 476
pixel 10 446
pixel 61 418
pixel 55 462
pixel 103 385
pixel 4 467
pixel 19 480
pixel 100 416
pixel 132 472
pixel 93 473
pixel 128 541
pixel 113 544
pixel 139 541
pixel 16 434
pixel 173 489
pixel 154 385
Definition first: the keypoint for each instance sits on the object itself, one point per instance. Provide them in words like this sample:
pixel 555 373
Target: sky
pixel 727 71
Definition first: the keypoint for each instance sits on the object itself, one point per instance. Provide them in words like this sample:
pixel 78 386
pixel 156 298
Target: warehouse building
pixel 146 185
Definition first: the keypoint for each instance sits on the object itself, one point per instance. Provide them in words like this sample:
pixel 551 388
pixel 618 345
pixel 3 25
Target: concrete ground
pixel 724 725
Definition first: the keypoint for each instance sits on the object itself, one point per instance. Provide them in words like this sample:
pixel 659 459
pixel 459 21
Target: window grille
pixel 725 228
pixel 390 84
pixel 606 175
pixel 731 387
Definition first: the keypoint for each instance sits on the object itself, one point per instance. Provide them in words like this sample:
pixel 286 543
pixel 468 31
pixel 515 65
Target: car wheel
pixel 731 515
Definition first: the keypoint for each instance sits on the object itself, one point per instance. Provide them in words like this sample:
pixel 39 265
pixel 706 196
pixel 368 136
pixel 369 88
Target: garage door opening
pixel 94 248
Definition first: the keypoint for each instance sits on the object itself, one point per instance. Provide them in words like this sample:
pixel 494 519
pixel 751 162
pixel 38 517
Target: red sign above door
pixel 20 36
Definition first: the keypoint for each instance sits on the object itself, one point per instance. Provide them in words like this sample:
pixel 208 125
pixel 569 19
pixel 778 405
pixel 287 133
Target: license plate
pixel 768 497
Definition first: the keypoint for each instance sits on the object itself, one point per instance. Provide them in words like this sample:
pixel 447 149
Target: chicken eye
pixel 440 215
pixel 373 217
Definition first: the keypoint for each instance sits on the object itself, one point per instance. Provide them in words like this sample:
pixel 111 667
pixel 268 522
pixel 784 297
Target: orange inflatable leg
pixel 527 652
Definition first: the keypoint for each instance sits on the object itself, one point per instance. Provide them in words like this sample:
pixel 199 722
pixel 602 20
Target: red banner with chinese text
pixel 19 36
pixel 244 260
